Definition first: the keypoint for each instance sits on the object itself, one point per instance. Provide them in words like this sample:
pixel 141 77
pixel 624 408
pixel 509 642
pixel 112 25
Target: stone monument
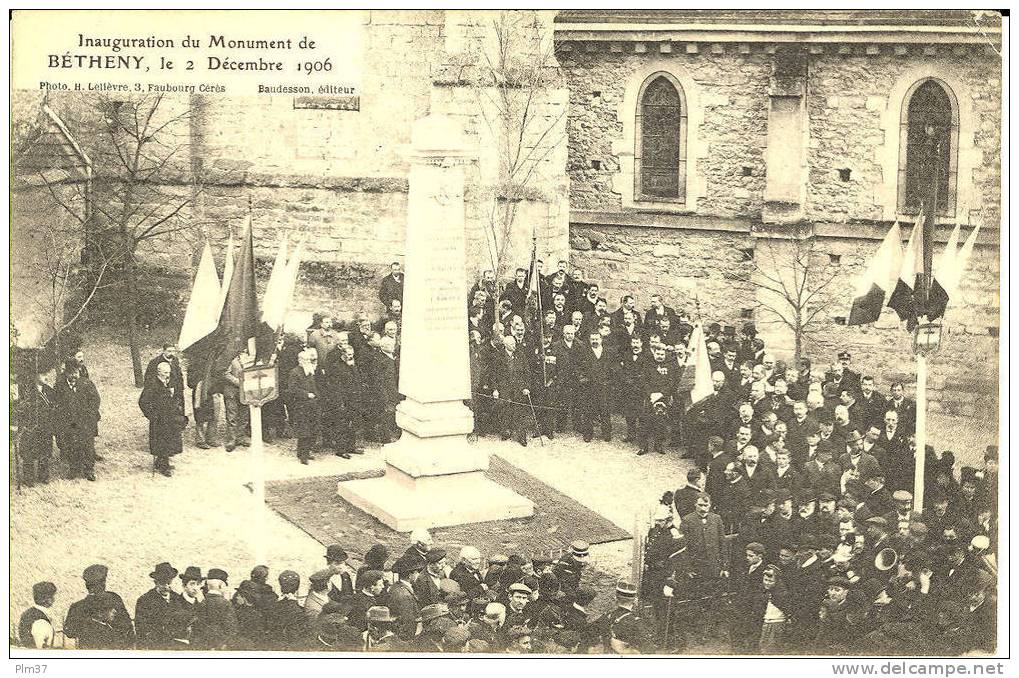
pixel 434 476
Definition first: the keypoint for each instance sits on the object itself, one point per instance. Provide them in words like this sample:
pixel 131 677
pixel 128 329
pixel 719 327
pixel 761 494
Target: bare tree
pixel 791 279
pixel 144 184
pixel 510 67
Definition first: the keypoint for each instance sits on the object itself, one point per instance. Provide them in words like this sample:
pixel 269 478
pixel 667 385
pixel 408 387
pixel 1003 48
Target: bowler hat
pixel 335 554
pixel 191 573
pixel 409 562
pixel 95 573
pixel 853 436
pixel 163 573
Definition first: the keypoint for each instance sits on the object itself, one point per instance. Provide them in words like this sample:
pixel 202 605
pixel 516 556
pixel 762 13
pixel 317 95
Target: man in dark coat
pixel 288 626
pixel 598 370
pixel 511 387
pixel 303 396
pixel 163 405
pixel 385 389
pixel 168 355
pixel 36 409
pixel 77 422
pixel 152 611
pixel 630 391
pixel 467 573
pixel 100 619
pixel 401 601
pixel 660 381
pixel 216 627
pixel 251 626
pixel 568 570
pixel 392 285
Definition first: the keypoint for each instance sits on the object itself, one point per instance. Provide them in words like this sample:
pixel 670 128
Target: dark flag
pixel 239 320
pixel 905 295
pixel 944 274
pixel 877 281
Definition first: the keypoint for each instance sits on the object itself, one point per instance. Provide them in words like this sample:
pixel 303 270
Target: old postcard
pixel 501 332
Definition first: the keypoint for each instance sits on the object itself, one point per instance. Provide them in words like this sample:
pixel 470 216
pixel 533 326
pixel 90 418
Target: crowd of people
pixel 794 533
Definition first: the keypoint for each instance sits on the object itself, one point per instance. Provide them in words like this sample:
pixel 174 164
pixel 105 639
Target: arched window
pixel 928 149
pixel 660 153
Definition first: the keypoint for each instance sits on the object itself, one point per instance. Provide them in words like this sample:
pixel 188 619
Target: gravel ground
pixel 130 519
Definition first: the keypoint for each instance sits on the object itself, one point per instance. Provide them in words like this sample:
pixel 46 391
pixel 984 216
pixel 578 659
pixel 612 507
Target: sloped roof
pixel 45 146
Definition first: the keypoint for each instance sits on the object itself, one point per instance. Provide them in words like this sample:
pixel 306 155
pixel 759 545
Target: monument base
pixel 434 482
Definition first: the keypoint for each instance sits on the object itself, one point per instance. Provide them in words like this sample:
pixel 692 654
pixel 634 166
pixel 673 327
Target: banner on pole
pixel 259 385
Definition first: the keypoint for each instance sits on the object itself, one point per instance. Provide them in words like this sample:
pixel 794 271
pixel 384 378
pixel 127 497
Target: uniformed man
pixel 35 627
pixel 624 614
pixel 658 546
pixel 568 570
pixel 114 627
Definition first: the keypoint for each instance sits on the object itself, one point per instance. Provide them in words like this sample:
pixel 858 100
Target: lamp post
pixel 926 341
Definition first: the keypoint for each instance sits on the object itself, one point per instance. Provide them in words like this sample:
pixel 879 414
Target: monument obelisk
pixel 434 476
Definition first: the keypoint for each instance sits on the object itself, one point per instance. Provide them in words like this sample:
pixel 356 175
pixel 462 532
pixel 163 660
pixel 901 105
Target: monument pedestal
pixel 434 476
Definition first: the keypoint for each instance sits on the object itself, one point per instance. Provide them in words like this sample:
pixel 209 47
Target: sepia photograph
pixel 491 332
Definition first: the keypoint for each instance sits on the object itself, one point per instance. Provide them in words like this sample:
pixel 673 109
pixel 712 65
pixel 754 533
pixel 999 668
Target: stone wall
pixel 854 101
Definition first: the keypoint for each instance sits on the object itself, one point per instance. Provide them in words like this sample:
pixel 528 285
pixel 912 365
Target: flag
pixel 962 261
pixel 273 303
pixel 228 269
pixel 202 313
pixel 702 386
pixel 531 272
pixel 239 320
pixel 937 300
pixel 904 296
pixel 878 280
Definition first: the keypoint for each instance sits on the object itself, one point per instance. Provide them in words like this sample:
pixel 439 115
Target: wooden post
pixel 920 453
pixel 258 486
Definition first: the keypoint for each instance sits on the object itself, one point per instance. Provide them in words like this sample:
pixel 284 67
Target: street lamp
pixel 927 338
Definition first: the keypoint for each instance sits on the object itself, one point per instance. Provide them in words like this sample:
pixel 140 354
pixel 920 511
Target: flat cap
pixel 980 542
pixel 409 562
pixel 435 555
pixel 541 561
pixel 335 553
pixel 217 573
pixel 455 638
pixel 320 576
pixel 902 495
pixel 289 578
pixel 44 589
pixel 877 521
pixel 519 588
pixel 498 559
pixel 379 615
pixel 757 547
pixel 95 573
pixel 844 355
pixel 434 611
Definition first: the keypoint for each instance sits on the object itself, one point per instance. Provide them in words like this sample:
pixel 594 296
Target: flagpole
pixel 257 456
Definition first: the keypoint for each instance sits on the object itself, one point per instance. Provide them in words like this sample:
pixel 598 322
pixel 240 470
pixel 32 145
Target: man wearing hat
pixel 318 593
pixel 427 588
pixel 550 597
pixel 371 584
pixel 288 627
pixel 569 568
pixel 658 546
pixel 76 626
pixel 154 608
pixel 35 627
pixel 340 573
pixel 251 626
pixel 401 602
pixel 879 500
pixel 334 634
pixel 184 608
pixel 216 627
pixel 623 614
pixel 379 636
pixel 833 628
pixel 516 613
pixel 980 620
pixel 857 464
pixel 903 512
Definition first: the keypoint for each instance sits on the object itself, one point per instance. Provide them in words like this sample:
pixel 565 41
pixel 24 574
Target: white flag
pixel 273 301
pixel 702 386
pixel 202 314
